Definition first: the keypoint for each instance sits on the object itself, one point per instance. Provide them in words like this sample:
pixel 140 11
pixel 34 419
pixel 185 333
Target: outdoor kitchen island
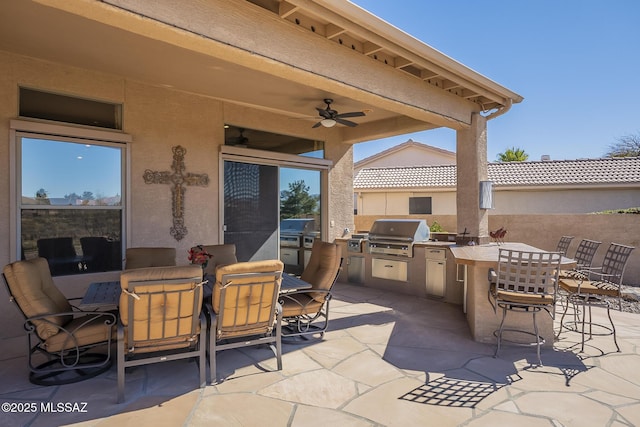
pixel 475 261
pixel 398 255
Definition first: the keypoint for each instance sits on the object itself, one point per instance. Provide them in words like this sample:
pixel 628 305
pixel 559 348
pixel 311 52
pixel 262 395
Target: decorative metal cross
pixel 179 179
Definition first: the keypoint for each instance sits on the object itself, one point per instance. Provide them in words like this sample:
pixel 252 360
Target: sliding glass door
pixel 251 202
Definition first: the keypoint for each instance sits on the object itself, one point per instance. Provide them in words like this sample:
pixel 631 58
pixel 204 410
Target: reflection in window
pixel 71 209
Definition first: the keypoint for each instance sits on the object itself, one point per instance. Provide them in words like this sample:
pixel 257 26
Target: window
pixel 70 207
pixel 69 109
pixel 419 205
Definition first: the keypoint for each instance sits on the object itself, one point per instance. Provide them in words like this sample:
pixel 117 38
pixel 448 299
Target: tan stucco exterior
pixel 179 79
pixel 410 153
pixel 506 201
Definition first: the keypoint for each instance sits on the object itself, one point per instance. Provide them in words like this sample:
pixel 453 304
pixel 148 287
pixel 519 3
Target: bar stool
pixel 524 282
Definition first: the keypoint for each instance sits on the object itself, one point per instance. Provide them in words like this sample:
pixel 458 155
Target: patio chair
pixel 244 309
pixel 145 257
pixel 161 318
pixel 597 287
pixel 62 342
pixel 220 255
pixel 524 282
pixel 306 312
pixel 563 244
pixel 584 258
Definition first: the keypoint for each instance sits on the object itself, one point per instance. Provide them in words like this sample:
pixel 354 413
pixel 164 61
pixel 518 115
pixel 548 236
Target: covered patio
pixel 387 359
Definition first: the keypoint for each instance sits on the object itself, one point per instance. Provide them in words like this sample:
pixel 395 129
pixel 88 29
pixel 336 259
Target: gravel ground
pixel 630 299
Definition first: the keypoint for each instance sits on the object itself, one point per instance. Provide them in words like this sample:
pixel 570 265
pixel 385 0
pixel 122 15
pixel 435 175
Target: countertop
pixel 488 254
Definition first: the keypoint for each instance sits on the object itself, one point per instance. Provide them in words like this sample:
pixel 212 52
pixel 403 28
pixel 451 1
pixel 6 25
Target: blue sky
pixel 575 62
pixel 62 168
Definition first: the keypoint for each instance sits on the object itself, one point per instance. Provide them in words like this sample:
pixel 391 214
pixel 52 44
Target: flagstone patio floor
pixel 388 360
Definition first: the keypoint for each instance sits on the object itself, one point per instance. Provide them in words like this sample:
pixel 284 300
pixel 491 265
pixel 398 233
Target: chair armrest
pixel 605 277
pixel 109 320
pixel 288 296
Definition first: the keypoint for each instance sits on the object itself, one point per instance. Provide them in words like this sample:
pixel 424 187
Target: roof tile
pixel 623 170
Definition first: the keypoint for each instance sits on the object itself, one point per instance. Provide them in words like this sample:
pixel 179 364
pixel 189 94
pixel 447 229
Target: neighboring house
pixel 540 187
pixel 410 153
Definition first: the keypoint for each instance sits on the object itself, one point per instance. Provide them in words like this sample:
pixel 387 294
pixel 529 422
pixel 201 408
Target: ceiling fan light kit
pixel 328 123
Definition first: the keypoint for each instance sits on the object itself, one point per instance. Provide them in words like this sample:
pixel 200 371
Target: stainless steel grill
pixel 397 236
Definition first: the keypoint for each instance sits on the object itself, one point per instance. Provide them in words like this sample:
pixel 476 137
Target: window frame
pixel 430 198
pixel 33 129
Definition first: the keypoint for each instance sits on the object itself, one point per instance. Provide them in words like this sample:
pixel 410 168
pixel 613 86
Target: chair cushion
pixel 35 293
pixel 571 274
pixel 589 287
pixel 241 268
pixel 85 331
pixel 299 304
pixel 323 267
pixel 221 255
pixel 161 311
pixel 520 297
pixel 150 257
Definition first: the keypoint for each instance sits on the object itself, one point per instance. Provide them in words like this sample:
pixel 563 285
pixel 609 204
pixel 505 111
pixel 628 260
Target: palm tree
pixel 513 154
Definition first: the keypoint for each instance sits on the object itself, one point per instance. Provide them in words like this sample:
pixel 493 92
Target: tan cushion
pixel 520 297
pixel 323 267
pixel 221 255
pixel 267 266
pixel 166 307
pixel 85 331
pixel 571 274
pixel 589 287
pixel 247 309
pixel 35 293
pixel 299 304
pixel 150 257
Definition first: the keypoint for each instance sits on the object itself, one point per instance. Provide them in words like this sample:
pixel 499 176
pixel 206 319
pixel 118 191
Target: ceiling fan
pixel 330 116
pixel 240 140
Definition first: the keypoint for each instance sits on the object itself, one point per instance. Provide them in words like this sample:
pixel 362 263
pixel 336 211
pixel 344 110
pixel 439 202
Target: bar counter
pixel 476 262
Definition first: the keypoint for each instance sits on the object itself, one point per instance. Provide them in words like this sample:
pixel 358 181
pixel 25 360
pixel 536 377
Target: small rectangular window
pixel 68 109
pixel 420 205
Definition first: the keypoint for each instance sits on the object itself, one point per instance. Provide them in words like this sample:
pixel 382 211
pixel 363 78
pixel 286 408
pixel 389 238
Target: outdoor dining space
pixel 381 358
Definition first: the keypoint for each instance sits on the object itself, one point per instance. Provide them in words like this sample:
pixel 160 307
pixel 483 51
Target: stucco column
pixel 471 160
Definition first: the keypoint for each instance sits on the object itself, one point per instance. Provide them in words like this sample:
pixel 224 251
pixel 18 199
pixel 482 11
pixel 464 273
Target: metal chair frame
pixel 563 244
pixel 595 288
pixel 75 362
pixel 224 337
pixel 524 282
pixel 196 347
pixel 307 324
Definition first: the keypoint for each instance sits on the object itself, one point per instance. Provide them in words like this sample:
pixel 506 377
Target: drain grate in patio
pixel 452 392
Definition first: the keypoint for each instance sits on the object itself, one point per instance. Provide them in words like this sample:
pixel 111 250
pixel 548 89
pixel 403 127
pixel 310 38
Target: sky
pixel 62 168
pixel 575 62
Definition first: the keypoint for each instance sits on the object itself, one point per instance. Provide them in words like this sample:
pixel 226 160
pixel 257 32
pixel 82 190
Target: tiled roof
pixel 624 170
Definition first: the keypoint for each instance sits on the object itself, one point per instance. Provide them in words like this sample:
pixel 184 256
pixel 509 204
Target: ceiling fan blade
pixel 316 125
pixel 352 114
pixel 324 113
pixel 345 122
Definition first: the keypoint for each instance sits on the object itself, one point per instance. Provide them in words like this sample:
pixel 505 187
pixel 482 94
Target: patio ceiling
pixel 119 40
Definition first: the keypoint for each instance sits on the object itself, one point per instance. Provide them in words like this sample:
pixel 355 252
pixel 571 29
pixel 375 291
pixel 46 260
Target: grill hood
pixel 399 230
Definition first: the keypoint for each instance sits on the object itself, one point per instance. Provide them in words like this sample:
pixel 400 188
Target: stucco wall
pixel 409 156
pixel 157 118
pixel 544 231
pixel 397 203
pixel 508 202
